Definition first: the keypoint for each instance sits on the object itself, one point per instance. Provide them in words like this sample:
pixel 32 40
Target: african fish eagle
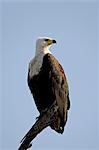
pixel 47 83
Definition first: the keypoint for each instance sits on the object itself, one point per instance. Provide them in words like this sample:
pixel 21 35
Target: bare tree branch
pixel 42 122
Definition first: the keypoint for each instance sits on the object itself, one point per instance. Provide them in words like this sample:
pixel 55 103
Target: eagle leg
pixel 42 113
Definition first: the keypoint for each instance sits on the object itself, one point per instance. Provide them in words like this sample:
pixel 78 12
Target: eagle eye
pixel 46 40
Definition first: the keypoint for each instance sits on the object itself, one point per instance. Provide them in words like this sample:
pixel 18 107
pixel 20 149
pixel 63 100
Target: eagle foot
pixel 42 113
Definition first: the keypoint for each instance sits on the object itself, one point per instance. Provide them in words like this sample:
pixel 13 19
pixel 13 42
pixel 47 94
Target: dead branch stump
pixel 42 122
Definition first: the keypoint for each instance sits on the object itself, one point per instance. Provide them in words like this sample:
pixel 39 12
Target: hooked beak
pixel 54 41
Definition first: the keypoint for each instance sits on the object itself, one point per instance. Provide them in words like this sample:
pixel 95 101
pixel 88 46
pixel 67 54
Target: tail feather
pixel 58 124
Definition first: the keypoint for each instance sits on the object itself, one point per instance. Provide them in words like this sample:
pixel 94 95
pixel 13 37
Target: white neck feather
pixel 36 63
pixel 42 50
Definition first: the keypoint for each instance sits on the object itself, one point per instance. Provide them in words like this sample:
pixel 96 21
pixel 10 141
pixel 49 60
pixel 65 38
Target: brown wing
pixel 59 88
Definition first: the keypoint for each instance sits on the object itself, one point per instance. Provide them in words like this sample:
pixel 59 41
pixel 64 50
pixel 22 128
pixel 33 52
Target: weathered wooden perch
pixel 42 122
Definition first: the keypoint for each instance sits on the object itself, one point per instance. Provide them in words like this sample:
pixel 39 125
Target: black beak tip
pixel 54 41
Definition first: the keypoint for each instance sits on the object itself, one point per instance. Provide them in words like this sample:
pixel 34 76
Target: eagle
pixel 47 83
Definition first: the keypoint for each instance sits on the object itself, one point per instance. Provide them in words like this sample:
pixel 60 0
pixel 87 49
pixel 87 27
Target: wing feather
pixel 59 86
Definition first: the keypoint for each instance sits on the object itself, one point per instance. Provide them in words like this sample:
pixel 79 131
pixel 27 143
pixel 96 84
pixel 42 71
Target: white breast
pixel 35 65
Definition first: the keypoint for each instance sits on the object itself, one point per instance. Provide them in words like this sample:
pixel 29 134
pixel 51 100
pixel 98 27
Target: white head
pixel 43 44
